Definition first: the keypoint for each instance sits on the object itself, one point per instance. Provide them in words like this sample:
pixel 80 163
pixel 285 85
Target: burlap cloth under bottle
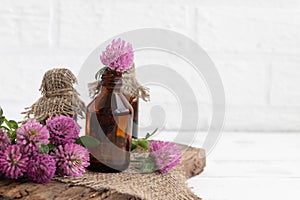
pixel 134 186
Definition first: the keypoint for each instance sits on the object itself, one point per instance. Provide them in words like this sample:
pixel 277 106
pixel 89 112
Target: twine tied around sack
pixel 130 86
pixel 59 97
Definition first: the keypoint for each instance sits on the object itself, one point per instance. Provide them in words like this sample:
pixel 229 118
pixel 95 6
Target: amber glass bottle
pixel 109 120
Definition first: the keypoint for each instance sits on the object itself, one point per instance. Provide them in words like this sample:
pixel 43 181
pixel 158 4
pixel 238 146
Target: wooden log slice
pixel 192 164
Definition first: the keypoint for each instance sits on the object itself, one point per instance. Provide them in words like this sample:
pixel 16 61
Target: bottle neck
pixel 111 81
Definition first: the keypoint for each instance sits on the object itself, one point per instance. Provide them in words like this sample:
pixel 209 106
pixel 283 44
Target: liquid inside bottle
pixel 109 120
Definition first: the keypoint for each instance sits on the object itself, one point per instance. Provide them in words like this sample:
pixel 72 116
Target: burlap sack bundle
pixel 59 97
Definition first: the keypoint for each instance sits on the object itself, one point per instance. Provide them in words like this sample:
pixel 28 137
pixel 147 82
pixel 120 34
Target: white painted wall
pixel 255 45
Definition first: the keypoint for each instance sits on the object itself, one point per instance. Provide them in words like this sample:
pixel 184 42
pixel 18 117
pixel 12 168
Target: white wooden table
pixel 251 166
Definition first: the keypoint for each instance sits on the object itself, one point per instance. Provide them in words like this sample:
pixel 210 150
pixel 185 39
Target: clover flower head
pixel 41 168
pixel 71 159
pixel 30 135
pixel 167 155
pixel 63 129
pixel 118 55
pixel 13 163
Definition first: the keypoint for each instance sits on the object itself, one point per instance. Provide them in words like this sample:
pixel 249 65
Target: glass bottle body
pixel 109 120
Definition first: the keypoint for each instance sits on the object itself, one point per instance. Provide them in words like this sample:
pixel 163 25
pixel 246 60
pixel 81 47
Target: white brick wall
pixel 254 44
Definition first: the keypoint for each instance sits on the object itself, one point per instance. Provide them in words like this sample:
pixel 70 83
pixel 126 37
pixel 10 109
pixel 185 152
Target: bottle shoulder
pixel 115 103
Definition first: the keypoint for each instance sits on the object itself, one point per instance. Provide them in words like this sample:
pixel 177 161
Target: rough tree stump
pixel 193 162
